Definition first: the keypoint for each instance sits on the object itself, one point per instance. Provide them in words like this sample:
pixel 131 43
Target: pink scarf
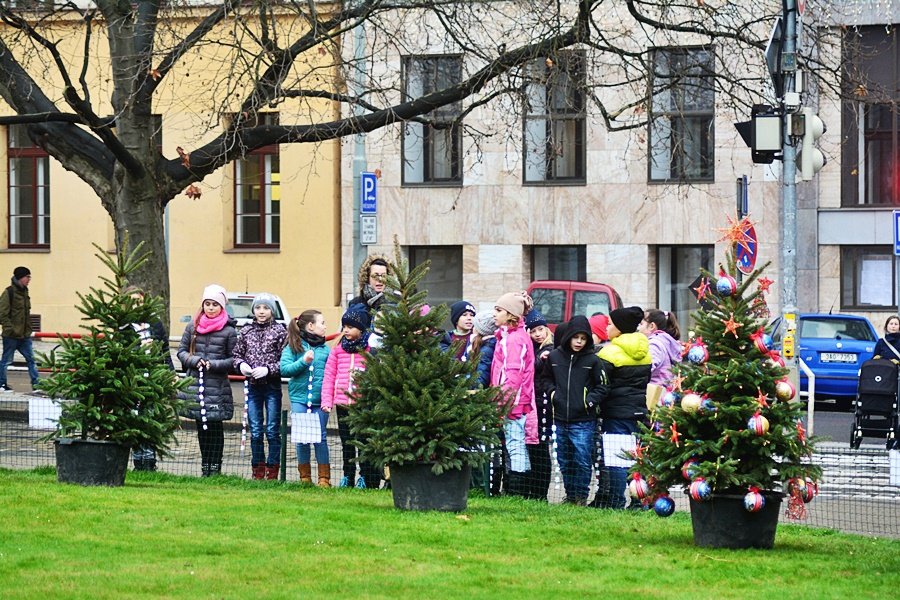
pixel 207 325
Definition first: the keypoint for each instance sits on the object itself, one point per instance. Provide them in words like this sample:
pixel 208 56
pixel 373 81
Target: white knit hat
pixel 484 324
pixel 216 293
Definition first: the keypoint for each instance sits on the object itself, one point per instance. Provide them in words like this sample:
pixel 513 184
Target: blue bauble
pixel 700 490
pixel 708 406
pixel 726 285
pixel 669 399
pixel 664 506
pixel 698 354
pixel 754 502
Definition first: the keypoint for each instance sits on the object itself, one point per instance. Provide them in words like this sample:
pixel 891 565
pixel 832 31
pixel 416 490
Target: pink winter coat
pixel 513 369
pixel 338 380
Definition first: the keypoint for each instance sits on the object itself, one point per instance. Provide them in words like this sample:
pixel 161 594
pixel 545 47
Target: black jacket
pixel 576 383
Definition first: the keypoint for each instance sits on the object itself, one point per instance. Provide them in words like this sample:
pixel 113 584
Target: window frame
pixel 580 261
pixel 40 191
pixel 445 114
pixel 265 216
pixel 569 61
pixel 857 252
pixel 414 261
pixel 680 115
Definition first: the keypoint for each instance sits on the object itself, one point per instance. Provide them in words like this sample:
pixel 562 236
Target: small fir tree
pixel 727 424
pixel 115 388
pixel 415 403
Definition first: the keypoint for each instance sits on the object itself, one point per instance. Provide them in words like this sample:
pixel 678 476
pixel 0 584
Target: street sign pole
pixel 789 173
pixel 741 197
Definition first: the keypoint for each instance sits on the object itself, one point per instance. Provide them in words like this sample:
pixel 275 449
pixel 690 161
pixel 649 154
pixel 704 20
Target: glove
pixel 259 372
pixel 246 369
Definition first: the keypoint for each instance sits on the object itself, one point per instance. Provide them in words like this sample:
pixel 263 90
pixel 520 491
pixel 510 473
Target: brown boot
pixel 305 470
pixel 259 471
pixel 272 471
pixel 324 476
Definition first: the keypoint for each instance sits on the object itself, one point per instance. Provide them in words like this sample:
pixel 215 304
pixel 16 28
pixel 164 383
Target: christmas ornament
pixel 702 290
pixel 737 233
pixel 758 424
pixel 731 326
pixel 762 341
pixel 754 501
pixel 657 428
pixel 691 402
pixel 669 399
pixel 689 469
pixel 699 490
pixel 726 285
pixel 775 359
pixel 764 283
pixel 664 506
pixel 762 399
pixel 638 488
pixel 784 390
pixel 708 406
pixel 698 354
pixel 810 491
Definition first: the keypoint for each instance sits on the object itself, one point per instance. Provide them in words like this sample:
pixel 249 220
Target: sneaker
pixel 361 483
pixel 5 388
pixel 345 482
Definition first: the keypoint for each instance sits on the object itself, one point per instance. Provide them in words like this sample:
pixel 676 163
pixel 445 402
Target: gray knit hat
pixel 264 299
pixel 483 323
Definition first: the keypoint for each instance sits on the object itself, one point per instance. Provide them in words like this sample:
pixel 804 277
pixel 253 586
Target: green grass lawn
pixel 180 537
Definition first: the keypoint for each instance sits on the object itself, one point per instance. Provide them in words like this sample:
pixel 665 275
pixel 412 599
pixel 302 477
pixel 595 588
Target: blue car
pixel 833 347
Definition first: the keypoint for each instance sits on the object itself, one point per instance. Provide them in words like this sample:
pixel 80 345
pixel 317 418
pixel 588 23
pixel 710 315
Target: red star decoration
pixel 736 232
pixel 731 326
pixel 675 434
pixel 702 289
pixel 761 400
pixel 801 432
pixel 638 453
pixel 677 380
pixel 764 283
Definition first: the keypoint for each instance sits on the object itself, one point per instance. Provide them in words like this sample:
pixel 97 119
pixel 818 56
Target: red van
pixel 558 301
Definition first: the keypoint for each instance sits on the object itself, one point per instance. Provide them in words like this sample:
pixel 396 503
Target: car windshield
pixel 846 329
pixel 240 308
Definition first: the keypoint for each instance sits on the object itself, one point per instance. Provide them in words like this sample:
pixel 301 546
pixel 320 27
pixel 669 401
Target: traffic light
pixel 810 159
pixel 762 133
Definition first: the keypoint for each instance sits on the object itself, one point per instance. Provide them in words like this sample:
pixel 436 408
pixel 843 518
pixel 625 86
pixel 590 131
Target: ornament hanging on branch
pixel 689 469
pixel 691 402
pixel 785 390
pixel 731 326
pixel 638 488
pixel 664 506
pixel 702 289
pixel 726 285
pixel 698 353
pixel 700 490
pixel 758 424
pixel 754 501
pixel 762 340
pixel 763 284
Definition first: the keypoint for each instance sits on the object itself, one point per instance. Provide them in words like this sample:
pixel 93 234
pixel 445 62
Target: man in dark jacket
pixel 15 313
pixel 576 383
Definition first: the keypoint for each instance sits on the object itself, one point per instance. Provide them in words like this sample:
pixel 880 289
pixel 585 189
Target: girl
pixel 303 360
pixel 661 328
pixel 207 343
pixel 889 346
pixel 347 357
pixel 257 356
pixel 512 369
pixel 538 431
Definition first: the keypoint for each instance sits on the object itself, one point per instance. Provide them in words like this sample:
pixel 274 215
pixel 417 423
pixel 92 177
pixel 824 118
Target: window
pixel 431 153
pixel 257 194
pixel 867 277
pixel 870 117
pixel 681 126
pixel 677 269
pixel 566 263
pixel 554 130
pixel 29 191
pixel 443 281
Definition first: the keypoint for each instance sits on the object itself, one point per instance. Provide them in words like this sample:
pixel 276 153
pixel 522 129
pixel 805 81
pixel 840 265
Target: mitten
pixel 260 372
pixel 246 369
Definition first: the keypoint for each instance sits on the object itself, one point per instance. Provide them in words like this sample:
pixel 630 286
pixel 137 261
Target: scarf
pixel 313 339
pixel 354 346
pixel 207 325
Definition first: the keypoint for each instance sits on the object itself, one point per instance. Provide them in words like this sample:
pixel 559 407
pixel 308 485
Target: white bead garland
pixel 200 390
pixel 245 416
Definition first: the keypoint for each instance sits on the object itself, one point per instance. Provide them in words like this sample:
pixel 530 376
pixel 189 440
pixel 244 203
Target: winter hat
pixel 516 304
pixel 483 323
pixel 20 272
pixel 457 309
pixel 598 327
pixel 627 320
pixel 534 319
pixel 356 316
pixel 215 293
pixel 263 299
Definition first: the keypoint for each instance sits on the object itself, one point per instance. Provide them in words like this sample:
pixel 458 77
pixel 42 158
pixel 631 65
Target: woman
pixel 889 346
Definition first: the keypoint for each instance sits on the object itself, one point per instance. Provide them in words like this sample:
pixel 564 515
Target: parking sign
pixel 368 204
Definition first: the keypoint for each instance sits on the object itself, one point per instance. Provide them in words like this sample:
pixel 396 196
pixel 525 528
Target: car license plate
pixel 839 357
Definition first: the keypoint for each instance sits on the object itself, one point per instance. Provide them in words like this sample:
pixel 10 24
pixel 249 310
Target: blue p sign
pixel 368 204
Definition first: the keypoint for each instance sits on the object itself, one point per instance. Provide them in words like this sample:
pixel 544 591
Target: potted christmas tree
pixel 416 409
pixel 727 430
pixel 116 390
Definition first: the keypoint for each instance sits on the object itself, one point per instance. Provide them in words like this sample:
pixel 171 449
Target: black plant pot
pixel 91 462
pixel 723 522
pixel 415 487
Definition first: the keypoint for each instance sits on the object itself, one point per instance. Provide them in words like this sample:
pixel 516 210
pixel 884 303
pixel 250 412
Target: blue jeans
pixel 266 395
pixel 516 452
pixel 614 480
pixel 321 448
pixel 10 345
pixel 575 453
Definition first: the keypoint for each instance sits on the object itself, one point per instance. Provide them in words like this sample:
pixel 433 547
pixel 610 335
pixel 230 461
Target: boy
pixel 462 316
pixel 576 383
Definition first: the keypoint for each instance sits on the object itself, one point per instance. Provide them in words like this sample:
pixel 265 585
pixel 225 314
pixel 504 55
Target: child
pixel 483 344
pixel 661 329
pixel 512 370
pixel 208 343
pixel 346 358
pixel 462 314
pixel 303 360
pixel 626 361
pixel 257 355
pixel 538 432
pixel 599 322
pixel 576 383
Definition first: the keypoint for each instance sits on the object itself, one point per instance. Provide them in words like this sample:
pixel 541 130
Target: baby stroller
pixel 875 412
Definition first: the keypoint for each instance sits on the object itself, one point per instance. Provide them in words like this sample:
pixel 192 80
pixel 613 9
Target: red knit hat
pixel 598 326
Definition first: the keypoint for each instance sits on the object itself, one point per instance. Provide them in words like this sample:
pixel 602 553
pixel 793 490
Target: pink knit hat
pixel 516 304
pixel 216 293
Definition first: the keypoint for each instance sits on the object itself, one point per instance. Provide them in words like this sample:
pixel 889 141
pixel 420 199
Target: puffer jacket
pixel 626 360
pixel 485 358
pixel 260 345
pixel 217 348
pixel 305 384
pixel 338 381
pixel 576 382
pixel 513 369
pixel 664 352
pixel 14 312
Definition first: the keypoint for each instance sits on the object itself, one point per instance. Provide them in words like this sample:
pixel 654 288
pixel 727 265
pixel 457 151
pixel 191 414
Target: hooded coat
pixel 664 352
pixel 626 360
pixel 15 308
pixel 575 381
